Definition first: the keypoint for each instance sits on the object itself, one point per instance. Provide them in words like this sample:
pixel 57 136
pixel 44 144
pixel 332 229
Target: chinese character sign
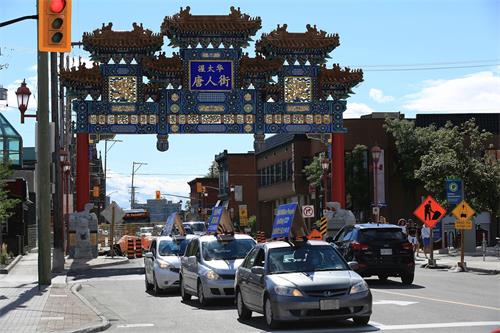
pixel 211 75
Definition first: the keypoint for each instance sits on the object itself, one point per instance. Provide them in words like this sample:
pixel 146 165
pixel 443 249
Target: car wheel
pixel 382 277
pixel 407 278
pixel 184 295
pixel 269 315
pixel 149 286
pixel 243 312
pixel 156 289
pixel 201 295
pixel 361 320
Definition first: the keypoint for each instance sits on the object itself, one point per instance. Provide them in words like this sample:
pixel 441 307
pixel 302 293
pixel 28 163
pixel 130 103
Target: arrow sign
pixel 108 213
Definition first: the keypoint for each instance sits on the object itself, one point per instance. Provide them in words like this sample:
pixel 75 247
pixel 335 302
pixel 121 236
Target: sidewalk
pixel 59 307
pixel 474 261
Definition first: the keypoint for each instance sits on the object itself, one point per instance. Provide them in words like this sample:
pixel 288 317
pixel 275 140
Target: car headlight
pixel 359 287
pixel 211 275
pixel 163 264
pixel 287 291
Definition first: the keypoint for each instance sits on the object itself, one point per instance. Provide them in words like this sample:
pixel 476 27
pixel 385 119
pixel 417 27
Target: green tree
pixel 314 172
pixel 459 152
pixel 6 204
pixel 213 171
pixel 357 182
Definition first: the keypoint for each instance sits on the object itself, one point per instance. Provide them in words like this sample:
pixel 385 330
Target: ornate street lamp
pixel 325 165
pixel 375 157
pixel 23 94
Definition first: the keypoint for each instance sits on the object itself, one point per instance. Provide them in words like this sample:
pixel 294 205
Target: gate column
pixel 338 174
pixel 82 171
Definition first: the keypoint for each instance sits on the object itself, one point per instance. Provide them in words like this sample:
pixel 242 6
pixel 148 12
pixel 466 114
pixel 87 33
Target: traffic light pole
pixel 43 171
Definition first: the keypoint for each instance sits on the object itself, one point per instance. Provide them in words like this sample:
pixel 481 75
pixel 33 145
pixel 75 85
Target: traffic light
pixel 199 187
pixel 54 25
pixel 158 195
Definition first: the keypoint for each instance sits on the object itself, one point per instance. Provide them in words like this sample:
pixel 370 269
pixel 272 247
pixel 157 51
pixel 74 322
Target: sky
pixel 418 56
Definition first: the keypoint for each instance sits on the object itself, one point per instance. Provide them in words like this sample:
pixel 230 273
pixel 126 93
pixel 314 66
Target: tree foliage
pixel 213 171
pixel 314 172
pixel 6 204
pixel 357 181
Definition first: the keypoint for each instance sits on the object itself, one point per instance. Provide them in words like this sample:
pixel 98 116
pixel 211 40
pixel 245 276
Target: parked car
pixel 209 265
pixel 198 227
pixel 379 249
pixel 310 281
pixel 161 263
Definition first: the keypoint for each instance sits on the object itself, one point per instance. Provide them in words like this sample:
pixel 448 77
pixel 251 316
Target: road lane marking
pixel 438 300
pixel 58 295
pixel 400 303
pixel 51 318
pixel 437 325
pixel 135 325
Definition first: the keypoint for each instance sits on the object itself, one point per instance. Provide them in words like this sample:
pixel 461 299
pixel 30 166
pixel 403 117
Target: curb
pixel 83 269
pixel 104 325
pixel 470 269
pixel 9 267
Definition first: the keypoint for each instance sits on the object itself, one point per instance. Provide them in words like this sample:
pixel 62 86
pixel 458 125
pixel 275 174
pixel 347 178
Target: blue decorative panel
pixel 209 75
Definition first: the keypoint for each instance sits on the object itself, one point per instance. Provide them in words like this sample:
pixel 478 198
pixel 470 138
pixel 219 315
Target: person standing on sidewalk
pixel 426 238
pixel 402 224
pixel 411 228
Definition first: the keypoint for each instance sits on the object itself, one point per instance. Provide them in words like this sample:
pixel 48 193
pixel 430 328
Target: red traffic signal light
pixel 54 25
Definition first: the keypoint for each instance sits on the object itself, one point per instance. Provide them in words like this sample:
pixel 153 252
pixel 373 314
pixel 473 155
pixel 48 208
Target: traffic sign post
pixel 463 212
pixel 430 212
pixel 114 214
pixel 454 191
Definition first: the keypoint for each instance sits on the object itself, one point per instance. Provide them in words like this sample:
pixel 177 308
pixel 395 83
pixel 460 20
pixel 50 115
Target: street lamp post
pixel 325 164
pixel 375 157
pixel 23 94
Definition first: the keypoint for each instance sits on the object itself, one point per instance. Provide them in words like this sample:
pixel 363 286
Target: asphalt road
pixel 439 301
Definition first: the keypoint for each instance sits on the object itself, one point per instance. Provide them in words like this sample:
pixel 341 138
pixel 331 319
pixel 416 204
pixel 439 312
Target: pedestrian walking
pixel 426 238
pixel 402 224
pixel 411 228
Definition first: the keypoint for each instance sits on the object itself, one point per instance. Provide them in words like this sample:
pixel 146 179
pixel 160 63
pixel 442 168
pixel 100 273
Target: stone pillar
pixel 338 173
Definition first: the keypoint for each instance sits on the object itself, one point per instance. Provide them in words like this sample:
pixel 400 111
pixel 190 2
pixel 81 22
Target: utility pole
pixel 58 256
pixel 43 171
pixel 132 188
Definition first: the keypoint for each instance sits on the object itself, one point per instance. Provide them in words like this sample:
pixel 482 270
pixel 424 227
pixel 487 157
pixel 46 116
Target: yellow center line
pixel 438 300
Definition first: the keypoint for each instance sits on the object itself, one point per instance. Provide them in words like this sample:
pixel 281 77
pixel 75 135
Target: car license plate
pixel 329 304
pixel 386 252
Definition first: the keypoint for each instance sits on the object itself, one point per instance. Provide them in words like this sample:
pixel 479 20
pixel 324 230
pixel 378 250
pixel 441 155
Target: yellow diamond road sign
pixel 463 224
pixel 463 211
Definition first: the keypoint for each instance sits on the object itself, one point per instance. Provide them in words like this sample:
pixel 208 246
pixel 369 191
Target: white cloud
pixel 356 110
pixel 378 96
pixel 475 93
pixel 146 187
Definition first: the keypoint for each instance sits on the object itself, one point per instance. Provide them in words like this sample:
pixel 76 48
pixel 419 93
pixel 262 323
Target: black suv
pixel 379 249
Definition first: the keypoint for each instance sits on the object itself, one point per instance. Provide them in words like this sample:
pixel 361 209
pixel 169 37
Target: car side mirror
pixel 257 270
pixel 353 265
pixel 149 255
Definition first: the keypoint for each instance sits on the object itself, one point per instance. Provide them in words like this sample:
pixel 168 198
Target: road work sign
pixel 429 212
pixel 463 211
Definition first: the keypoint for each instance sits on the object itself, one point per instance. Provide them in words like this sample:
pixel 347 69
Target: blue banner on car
pixel 283 220
pixel 167 229
pixel 214 220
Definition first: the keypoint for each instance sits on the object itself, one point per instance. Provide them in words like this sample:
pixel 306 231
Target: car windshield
pixel 304 259
pixel 172 247
pixel 199 227
pixel 227 250
pixel 370 235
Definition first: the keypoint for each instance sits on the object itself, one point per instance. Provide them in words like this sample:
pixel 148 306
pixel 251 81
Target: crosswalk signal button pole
pixel 54 25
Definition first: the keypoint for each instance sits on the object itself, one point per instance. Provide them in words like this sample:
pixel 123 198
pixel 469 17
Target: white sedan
pixel 161 263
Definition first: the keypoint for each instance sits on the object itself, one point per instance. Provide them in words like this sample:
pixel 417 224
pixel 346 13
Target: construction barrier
pixel 261 237
pixel 323 226
pixel 130 248
pixel 138 248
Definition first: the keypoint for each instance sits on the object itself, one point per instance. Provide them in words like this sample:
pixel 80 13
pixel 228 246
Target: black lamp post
pixel 325 164
pixel 375 157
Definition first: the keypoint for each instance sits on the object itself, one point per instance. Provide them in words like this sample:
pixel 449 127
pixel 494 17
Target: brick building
pixel 202 202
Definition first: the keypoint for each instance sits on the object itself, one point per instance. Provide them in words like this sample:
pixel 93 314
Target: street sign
pixel 463 224
pixel 243 210
pixel 307 211
pixel 108 213
pixel 375 210
pixel 463 211
pixel 454 191
pixel 283 220
pixel 429 212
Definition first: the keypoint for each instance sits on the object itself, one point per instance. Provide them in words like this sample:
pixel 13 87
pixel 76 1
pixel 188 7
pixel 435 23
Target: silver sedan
pixel 310 281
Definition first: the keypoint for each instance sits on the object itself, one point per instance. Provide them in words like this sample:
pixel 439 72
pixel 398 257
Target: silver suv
pixel 209 265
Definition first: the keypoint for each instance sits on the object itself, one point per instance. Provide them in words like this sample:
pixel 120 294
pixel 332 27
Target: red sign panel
pixel 430 212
